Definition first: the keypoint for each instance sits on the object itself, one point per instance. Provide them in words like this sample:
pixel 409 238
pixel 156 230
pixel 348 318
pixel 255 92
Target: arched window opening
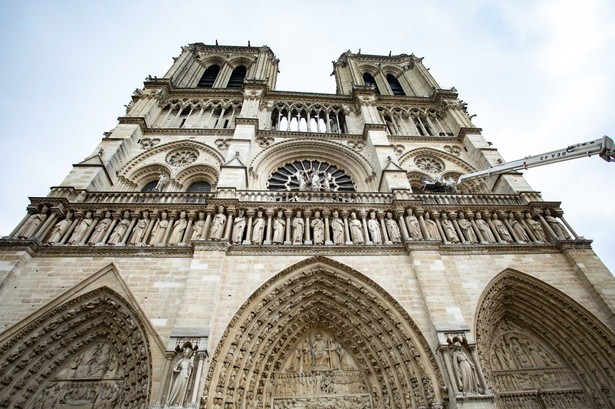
pixel 368 79
pixel 197 187
pixel 395 85
pixel 149 187
pixel 209 77
pixel 237 77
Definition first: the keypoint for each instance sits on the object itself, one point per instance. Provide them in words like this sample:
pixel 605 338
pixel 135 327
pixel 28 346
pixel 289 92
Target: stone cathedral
pixel 230 245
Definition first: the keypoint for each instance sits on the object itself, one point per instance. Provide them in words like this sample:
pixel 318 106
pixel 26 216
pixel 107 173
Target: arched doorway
pixel 91 351
pixel 320 333
pixel 541 349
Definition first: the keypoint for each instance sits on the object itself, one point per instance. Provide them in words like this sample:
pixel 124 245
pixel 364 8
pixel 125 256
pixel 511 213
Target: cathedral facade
pixel 230 245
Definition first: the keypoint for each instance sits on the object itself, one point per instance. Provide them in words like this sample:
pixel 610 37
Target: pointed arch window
pixel 395 85
pixel 209 77
pixel 368 79
pixel 237 77
pixel 199 187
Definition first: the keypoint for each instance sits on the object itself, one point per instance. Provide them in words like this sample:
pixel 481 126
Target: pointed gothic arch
pixel 93 348
pixel 537 344
pixel 318 294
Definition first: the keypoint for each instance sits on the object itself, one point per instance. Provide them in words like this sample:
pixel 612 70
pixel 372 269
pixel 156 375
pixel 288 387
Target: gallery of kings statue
pixel 229 245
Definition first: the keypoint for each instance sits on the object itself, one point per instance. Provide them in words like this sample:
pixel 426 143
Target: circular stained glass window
pixel 310 175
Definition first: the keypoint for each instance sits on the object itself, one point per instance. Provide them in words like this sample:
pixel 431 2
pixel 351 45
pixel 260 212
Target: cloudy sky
pixel 540 75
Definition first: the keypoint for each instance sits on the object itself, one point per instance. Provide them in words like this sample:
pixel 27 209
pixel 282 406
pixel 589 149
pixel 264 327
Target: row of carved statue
pixel 279 227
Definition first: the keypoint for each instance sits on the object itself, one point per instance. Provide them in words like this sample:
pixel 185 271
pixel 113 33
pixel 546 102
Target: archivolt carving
pixel 531 336
pixel 320 296
pixel 161 150
pixel 331 152
pixel 92 351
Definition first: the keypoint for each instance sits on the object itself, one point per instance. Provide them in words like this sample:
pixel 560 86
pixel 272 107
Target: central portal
pixel 320 373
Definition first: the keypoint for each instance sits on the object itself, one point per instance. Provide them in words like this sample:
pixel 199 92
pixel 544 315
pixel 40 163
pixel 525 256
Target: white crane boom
pixel 603 147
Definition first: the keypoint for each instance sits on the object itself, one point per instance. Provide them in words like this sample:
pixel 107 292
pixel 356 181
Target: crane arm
pixel 603 147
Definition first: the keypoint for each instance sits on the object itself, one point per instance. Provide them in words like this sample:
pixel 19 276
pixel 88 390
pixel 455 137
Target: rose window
pixel 182 157
pixel 429 164
pixel 310 175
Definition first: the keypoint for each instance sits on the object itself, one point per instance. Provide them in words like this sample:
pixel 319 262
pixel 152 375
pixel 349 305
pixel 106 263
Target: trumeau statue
pixel 414 227
pixel 465 370
pixel 318 228
pixel 374 228
pixel 258 228
pixel 392 229
pixel 182 374
pixel 298 228
pixel 217 226
pixel 239 225
pixel 100 230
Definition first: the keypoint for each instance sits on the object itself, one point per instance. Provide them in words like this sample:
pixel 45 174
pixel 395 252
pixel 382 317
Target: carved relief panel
pixel 320 373
pixel 526 373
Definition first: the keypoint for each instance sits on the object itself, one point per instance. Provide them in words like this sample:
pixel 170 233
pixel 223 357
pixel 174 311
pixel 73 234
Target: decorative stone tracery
pixel 92 351
pixel 323 302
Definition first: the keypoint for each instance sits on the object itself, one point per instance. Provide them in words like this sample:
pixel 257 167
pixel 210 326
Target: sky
pixel 539 75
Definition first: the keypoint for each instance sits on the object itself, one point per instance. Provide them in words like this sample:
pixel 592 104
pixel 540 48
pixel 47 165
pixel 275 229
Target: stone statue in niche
pixel 162 182
pixel 466 229
pixel 120 230
pixel 298 228
pixel 536 228
pixel 502 230
pixel 60 229
pixel 449 229
pixel 239 226
pixel 258 228
pixel 518 228
pixel 217 225
pixel 81 228
pixel 100 230
pixel 179 227
pixel 279 227
pixel 198 232
pixel 392 229
pixel 555 225
pixel 337 226
pixel 138 233
pixel 485 230
pixel 465 370
pixel 32 224
pixel 182 372
pixel 318 228
pixel 356 231
pixel 414 228
pixel 374 228
pixel 431 228
pixel 160 230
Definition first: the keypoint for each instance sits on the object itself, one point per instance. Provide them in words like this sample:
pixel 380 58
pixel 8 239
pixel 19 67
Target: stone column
pixel 248 239
pixel 69 232
pixel 529 231
pixel 90 229
pixel 187 233
pixel 362 215
pixel 116 217
pixel 570 229
pixel 21 223
pixel 43 230
pixel 436 218
pixel 346 229
pixel 134 217
pixel 419 214
pixel 268 231
pixel 325 216
pixel 207 223
pixel 167 233
pixel 495 232
pixel 288 226
pixel 547 228
pixel 150 226
pixel 229 225
pixel 383 228
pixel 405 236
pixel 199 372
pixel 308 239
